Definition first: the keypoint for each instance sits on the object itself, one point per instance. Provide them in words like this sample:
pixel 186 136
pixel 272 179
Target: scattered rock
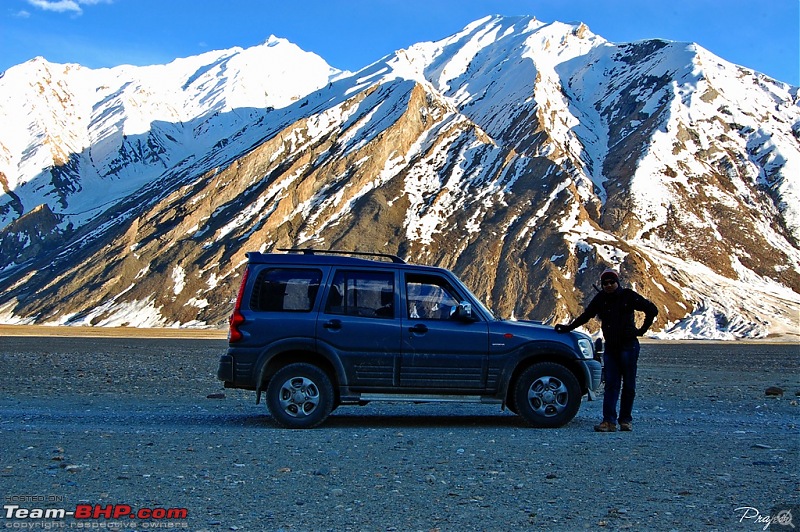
pixel 774 391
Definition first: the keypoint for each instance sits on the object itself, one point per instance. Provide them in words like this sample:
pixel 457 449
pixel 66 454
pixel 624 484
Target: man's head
pixel 609 280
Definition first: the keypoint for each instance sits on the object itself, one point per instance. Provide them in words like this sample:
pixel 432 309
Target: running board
pixel 424 398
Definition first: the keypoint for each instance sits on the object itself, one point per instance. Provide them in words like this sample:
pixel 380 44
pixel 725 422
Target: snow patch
pixel 179 278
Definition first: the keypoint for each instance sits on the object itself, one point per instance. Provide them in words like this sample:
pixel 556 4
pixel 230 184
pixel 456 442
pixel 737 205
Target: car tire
pixel 300 396
pixel 547 395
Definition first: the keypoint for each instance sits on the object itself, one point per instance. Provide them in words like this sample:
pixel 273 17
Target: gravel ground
pixel 144 423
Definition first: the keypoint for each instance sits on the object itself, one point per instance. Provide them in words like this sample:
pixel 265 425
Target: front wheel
pixel 547 395
pixel 300 396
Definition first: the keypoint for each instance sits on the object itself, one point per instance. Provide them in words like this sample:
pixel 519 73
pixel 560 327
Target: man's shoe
pixel 605 426
pixel 627 427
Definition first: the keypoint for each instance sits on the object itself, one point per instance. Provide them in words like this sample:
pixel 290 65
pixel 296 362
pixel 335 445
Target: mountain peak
pixel 276 41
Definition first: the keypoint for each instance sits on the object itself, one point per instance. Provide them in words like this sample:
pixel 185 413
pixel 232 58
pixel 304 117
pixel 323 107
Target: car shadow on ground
pixel 347 420
pixel 357 421
pixel 431 421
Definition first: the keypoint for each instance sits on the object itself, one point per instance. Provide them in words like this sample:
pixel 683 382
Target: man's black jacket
pixel 616 313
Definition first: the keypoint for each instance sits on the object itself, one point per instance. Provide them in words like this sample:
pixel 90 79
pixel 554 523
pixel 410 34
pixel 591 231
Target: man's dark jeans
pixel 620 371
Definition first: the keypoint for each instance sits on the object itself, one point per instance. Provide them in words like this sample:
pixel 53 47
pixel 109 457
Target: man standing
pixel 615 307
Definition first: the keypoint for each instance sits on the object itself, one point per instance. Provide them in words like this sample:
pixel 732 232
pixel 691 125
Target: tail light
pixel 236 319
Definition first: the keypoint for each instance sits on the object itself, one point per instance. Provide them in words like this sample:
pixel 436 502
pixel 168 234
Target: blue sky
pixel 764 36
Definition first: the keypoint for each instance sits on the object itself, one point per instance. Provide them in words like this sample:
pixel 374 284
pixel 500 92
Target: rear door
pixel 439 351
pixel 359 321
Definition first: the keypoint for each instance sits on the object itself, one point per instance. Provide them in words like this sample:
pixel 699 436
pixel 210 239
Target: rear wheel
pixel 547 395
pixel 300 396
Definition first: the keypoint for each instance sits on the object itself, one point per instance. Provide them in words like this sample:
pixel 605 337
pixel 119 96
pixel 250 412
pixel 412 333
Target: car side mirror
pixel 462 311
pixel 598 348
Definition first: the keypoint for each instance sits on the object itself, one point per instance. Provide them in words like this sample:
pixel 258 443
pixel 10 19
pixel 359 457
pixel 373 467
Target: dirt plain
pixel 116 421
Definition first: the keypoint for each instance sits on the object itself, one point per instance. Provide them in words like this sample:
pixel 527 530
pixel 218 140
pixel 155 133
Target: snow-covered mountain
pixel 523 155
pixel 81 139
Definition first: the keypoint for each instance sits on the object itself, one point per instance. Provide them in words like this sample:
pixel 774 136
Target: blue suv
pixel 315 329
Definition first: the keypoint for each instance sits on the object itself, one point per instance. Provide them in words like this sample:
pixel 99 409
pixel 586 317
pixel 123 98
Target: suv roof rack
pixel 309 251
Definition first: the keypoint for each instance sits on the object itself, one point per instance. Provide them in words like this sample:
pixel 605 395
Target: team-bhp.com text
pixel 95 511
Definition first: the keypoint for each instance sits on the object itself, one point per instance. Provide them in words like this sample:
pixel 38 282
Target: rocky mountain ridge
pixel 525 156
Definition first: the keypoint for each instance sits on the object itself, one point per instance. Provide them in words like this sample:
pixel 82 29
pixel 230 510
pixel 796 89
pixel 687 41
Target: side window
pixel 285 290
pixel 366 294
pixel 429 297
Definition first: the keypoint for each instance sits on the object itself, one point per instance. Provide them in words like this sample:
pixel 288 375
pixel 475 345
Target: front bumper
pixel 594 374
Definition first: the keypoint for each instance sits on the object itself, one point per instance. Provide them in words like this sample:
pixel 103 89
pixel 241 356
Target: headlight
pixel 585 345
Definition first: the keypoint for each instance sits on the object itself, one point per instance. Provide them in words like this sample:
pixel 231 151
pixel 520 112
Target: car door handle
pixel 419 328
pixel 333 324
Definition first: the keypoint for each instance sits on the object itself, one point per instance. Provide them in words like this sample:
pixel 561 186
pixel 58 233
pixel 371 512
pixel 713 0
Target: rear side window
pixel 285 290
pixel 366 294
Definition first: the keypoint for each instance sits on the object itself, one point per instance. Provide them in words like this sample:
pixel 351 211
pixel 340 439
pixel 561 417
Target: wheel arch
pixel 547 353
pixel 287 353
